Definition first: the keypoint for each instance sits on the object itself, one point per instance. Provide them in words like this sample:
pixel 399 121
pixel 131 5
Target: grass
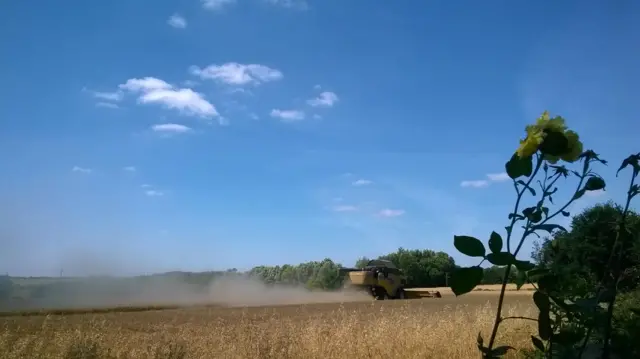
pixel 427 328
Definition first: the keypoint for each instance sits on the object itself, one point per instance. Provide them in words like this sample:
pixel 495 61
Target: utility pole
pixel 446 278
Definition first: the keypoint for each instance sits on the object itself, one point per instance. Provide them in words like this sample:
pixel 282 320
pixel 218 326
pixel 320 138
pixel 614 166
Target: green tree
pixel 579 257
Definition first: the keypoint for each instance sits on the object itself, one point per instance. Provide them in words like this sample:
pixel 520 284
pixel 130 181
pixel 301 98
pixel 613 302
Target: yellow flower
pixel 575 147
pixel 530 144
pixel 555 124
pixel 537 133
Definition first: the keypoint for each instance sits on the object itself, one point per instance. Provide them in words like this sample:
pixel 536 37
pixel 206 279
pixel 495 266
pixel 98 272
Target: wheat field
pixel 424 328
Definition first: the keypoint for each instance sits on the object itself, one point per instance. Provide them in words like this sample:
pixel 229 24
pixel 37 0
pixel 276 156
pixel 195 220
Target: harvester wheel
pixel 401 294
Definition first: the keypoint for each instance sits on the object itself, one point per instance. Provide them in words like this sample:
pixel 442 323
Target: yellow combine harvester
pixel 383 280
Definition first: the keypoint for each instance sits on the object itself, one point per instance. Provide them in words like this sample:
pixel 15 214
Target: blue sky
pixel 190 135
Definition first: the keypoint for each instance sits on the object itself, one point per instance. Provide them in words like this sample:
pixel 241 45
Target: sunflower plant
pixel 565 325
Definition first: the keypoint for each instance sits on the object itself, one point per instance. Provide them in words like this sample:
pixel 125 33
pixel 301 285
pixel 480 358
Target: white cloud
pixel 391 212
pixel 129 169
pixel 145 185
pixel 493 177
pixel 155 91
pixel 287 115
pixel 81 169
pixel 233 73
pixel 109 96
pixel 216 4
pixel 145 85
pixel 154 193
pixel 597 193
pixel 290 4
pixel 325 99
pixel 107 105
pixel 345 208
pixel 498 177
pixel 361 182
pixel 474 184
pixel 170 128
pixel 177 21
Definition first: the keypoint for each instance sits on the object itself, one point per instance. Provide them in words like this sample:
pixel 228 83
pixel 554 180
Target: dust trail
pixel 249 292
pixel 164 290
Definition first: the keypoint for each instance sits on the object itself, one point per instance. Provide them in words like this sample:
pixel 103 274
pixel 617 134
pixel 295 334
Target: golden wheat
pixel 428 328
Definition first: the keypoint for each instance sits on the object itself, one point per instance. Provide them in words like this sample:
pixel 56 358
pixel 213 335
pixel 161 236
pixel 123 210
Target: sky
pixel 202 135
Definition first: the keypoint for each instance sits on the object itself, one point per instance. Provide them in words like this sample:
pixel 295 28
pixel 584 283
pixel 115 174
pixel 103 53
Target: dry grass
pixel 428 328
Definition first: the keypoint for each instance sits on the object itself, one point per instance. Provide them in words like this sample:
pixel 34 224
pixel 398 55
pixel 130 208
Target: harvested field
pixel 427 328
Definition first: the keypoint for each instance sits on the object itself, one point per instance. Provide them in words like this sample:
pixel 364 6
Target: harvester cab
pixel 380 278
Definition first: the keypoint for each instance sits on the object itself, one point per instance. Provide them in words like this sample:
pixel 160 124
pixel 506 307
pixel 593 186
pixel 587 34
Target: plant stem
pixel 616 270
pixel 505 279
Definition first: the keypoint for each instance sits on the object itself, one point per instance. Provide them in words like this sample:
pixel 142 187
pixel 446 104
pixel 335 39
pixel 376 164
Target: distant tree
pixel 579 257
pixel 423 268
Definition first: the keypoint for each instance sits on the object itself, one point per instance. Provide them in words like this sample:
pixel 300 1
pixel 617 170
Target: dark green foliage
pixel 464 280
pixel 579 257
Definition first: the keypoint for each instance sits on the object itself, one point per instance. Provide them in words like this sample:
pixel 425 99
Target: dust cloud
pixel 232 291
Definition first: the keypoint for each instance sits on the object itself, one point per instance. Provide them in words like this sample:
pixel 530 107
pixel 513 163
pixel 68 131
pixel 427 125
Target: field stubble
pixel 427 328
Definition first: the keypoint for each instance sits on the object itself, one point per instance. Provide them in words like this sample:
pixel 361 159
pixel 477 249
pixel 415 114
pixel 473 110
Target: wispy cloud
pixel 151 90
pixel 498 177
pixel 344 208
pixel 287 115
pixel 233 73
pixel 177 21
pixel 154 193
pixel 170 128
pixel 290 4
pixel 215 5
pixel 81 170
pixel 107 105
pixel 387 212
pixel 106 99
pixel 492 177
pixel 362 182
pixel 129 169
pixel 474 184
pixel 325 99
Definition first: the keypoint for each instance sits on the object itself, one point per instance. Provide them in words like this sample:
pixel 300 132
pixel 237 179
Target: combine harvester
pixel 383 280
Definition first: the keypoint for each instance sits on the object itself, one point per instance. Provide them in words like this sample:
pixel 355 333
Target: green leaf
pixel 548 227
pixel 517 166
pixel 635 311
pixel 470 246
pixel 463 280
pixel 501 258
pixel 537 343
pixel 578 194
pixel 500 351
pixel 524 266
pixel 542 301
pixel 544 325
pixel 632 160
pixel 537 272
pixel 479 339
pixel 521 279
pixel 595 184
pixel 495 242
